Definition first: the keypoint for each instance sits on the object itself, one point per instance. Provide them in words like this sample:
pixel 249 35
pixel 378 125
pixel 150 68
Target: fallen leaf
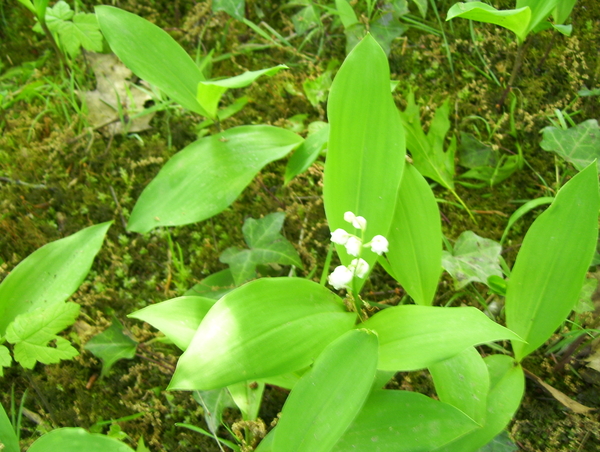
pixel 564 399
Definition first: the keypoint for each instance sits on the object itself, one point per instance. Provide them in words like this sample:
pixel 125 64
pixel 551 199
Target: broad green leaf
pixel 579 145
pixel 327 399
pixel 178 318
pixel 551 265
pixel 540 10
pixel 247 395
pixel 112 345
pixel 385 30
pixel 57 14
pixel 266 245
pixel 562 10
pixel 27 4
pixel 31 333
pixel 307 153
pixel 346 13
pixel 8 438
pixel 473 258
pixel 235 8
pixel 365 158
pixel 427 151
pixel 83 31
pixel 402 421
pixel 463 381
pixel 516 20
pixel 507 384
pixel 414 337
pixel 415 238
pixel 77 440
pixel 213 286
pixel 192 186
pixel 5 359
pixel 209 92
pixel 152 55
pixel 49 275
pixel 40 8
pixel 286 381
pixel 525 208
pixel 265 328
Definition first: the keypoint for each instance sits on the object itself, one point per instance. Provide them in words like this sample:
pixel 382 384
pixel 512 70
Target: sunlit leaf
pixel 247 395
pixel 77 440
pixel 7 433
pixel 550 269
pixel 5 359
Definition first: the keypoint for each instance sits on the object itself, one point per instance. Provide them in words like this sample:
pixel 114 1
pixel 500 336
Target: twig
pixel 114 196
pixel 25 184
pixel 569 352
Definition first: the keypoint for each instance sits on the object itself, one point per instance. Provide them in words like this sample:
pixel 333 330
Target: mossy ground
pixel 81 177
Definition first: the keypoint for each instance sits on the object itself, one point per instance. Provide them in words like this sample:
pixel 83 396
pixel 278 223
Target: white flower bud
pixel 339 236
pixel 360 223
pixel 359 267
pixel 379 244
pixel 353 246
pixel 341 278
pixel 349 217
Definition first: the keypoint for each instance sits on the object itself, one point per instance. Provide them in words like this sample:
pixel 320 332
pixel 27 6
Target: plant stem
pixel 515 72
pixel 60 55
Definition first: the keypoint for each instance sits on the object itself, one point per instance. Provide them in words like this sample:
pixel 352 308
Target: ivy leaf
pixel 473 259
pixel 74 30
pixel 112 345
pixel 32 332
pixel 579 145
pixel 5 359
pixel 266 245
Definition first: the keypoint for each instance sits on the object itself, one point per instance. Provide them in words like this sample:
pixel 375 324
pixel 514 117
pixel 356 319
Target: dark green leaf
pixel 579 145
pixel 235 8
pixel 307 153
pixel 112 345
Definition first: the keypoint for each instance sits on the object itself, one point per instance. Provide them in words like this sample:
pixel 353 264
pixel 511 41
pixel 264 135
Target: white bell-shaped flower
pixel 359 267
pixel 379 244
pixel 349 217
pixel 353 246
pixel 339 236
pixel 341 277
pixel 359 223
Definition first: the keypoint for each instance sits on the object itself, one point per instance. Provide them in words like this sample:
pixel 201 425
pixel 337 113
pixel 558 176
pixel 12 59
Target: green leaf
pixel 463 381
pixel 213 286
pixel 191 187
pixel 422 7
pixel 31 333
pixel 501 443
pixel 327 399
pixel 516 20
pixel 562 10
pixel 235 8
pixel 366 154
pixel 83 31
pixel 472 153
pixel 306 19
pixel 540 11
pixel 49 275
pixel 214 403
pixel 551 265
pixel 8 438
pixel 178 318
pixel 427 151
pixel 525 208
pixel 77 440
pixel 152 55
pixel 5 359
pixel 473 259
pixel 346 13
pixel 385 30
pixel 112 345
pixel 248 397
pixel 507 384
pixel 579 145
pixel 307 153
pixel 402 421
pixel 413 337
pixel 266 245
pixel 58 14
pixel 265 328
pixel 415 238
pixel 317 90
pixel 209 92
pixel 585 302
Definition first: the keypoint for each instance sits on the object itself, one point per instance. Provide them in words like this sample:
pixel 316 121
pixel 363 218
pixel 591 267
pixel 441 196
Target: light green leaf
pixel 235 8
pixel 238 341
pixel 7 433
pixel 346 13
pixel 58 14
pixel 152 55
pixel 112 345
pixel 31 333
pixel 307 153
pixel 178 318
pixel 516 20
pixel 266 244
pixel 366 153
pixel 579 145
pixel 463 381
pixel 191 187
pixel 5 359
pixel 77 440
pixel 540 11
pixel 327 399
pixel 562 10
pixel 413 337
pixel 427 151
pixel 209 92
pixel 525 208
pixel 27 4
pixel 473 259
pixel 49 275
pixel 83 31
pixel 248 397
pixel 213 286
pixel 507 384
pixel 415 238
pixel 551 265
pixel 403 421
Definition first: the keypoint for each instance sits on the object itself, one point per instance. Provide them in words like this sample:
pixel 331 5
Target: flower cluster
pixel 342 276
